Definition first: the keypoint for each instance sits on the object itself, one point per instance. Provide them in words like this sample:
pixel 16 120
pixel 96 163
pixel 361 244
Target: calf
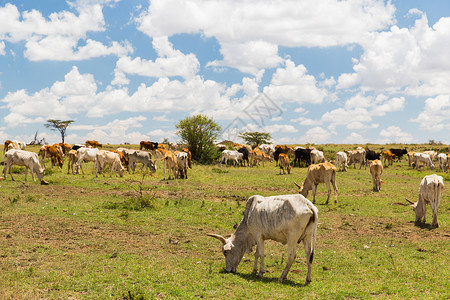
pixel 376 169
pixel 288 219
pixel 430 192
pixel 284 163
pixel 24 158
pixel 320 173
pixel 72 159
pixel 257 156
pixel 170 164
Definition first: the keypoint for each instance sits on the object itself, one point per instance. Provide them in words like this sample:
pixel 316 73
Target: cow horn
pixel 219 237
pixel 299 186
pixel 409 201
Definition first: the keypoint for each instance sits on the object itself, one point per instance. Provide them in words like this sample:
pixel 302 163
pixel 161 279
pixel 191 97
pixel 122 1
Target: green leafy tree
pixel 59 125
pixel 199 132
pixel 256 138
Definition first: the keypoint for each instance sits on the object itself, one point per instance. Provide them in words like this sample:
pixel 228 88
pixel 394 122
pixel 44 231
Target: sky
pixel 305 71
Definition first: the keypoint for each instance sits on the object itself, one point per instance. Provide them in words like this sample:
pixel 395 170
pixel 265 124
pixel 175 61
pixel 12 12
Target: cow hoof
pixel 43 182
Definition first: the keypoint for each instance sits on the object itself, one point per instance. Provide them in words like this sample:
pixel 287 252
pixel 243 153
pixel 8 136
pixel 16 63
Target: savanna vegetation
pixel 139 237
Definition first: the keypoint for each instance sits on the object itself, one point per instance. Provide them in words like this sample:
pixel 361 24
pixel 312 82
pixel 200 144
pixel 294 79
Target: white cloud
pixel 316 135
pixel 170 62
pixel 354 138
pixel 2 48
pixel 435 115
pixel 394 134
pixel 59 37
pixel 242 26
pixel 410 60
pixel 293 84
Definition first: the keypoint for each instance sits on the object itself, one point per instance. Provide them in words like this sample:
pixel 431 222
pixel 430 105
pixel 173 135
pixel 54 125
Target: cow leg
pixel 291 257
pixel 327 183
pixel 314 193
pixel 10 172
pixel 259 253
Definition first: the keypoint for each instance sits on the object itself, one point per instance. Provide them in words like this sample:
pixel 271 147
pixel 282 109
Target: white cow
pixel 422 159
pixel 341 161
pixel 142 157
pixel 317 157
pixel 86 155
pixel 443 162
pixel 285 219
pixel 357 156
pixel 268 149
pixel 111 159
pixel 182 161
pixel 232 155
pixel 430 192
pixel 24 158
pixel 433 154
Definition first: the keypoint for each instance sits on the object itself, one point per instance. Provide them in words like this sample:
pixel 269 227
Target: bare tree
pixel 59 125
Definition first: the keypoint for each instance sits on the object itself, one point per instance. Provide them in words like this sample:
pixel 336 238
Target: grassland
pixel 139 237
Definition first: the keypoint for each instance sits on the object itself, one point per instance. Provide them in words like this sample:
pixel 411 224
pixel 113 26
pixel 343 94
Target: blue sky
pixel 309 71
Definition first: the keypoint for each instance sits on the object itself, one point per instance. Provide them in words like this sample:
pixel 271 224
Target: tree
pixel 200 133
pixel 59 125
pixel 255 138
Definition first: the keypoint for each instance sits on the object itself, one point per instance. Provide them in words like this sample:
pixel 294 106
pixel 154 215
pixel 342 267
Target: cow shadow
pixel 254 278
pixel 422 225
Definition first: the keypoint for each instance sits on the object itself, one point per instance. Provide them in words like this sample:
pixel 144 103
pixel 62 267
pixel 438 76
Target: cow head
pixel 418 210
pixel 301 188
pixel 233 253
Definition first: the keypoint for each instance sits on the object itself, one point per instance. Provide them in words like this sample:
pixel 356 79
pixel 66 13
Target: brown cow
pixel 170 163
pixel 93 144
pixel 257 156
pixel 389 157
pixel 284 163
pixel 65 147
pixel 72 155
pixel 376 169
pixel 319 173
pixel 148 145
pixel 53 153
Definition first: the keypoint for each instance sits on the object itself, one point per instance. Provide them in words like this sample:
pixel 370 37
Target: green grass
pixel 139 237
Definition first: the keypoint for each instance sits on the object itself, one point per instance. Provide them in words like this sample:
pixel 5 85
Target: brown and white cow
pixel 319 173
pixel 257 156
pixel 93 144
pixel 52 152
pixel 376 169
pixel 430 192
pixel 170 164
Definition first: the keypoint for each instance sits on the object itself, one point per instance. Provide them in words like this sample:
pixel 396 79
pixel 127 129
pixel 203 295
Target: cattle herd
pixel 288 219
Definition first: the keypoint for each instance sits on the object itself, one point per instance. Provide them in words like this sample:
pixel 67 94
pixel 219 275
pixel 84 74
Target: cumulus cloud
pixel 409 60
pixel 170 62
pixel 2 48
pixel 394 134
pixel 354 138
pixel 291 83
pixel 243 26
pixel 436 114
pixel 316 135
pixel 60 36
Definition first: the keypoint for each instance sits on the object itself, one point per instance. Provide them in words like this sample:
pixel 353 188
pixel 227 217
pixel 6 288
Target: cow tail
pixel 316 221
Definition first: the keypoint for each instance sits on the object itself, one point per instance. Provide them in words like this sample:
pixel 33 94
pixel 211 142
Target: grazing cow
pixel 433 154
pixel 72 155
pixel 287 219
pixel 443 162
pixel 376 169
pixel 357 156
pixel 144 145
pixel 24 158
pixel 422 159
pixel 302 154
pixel 232 155
pixel 86 155
pixel 59 149
pixel 410 156
pixel 430 192
pixel 111 159
pixel 170 164
pixel 53 153
pixel 257 156
pixel 142 157
pixel 388 157
pixel 281 149
pixel 320 173
pixel 93 144
pixel 123 158
pixel 399 153
pixel 284 163
pixel 371 155
pixel 245 155
pixel 182 162
pixel 317 157
pixel 158 155
pixel 341 161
